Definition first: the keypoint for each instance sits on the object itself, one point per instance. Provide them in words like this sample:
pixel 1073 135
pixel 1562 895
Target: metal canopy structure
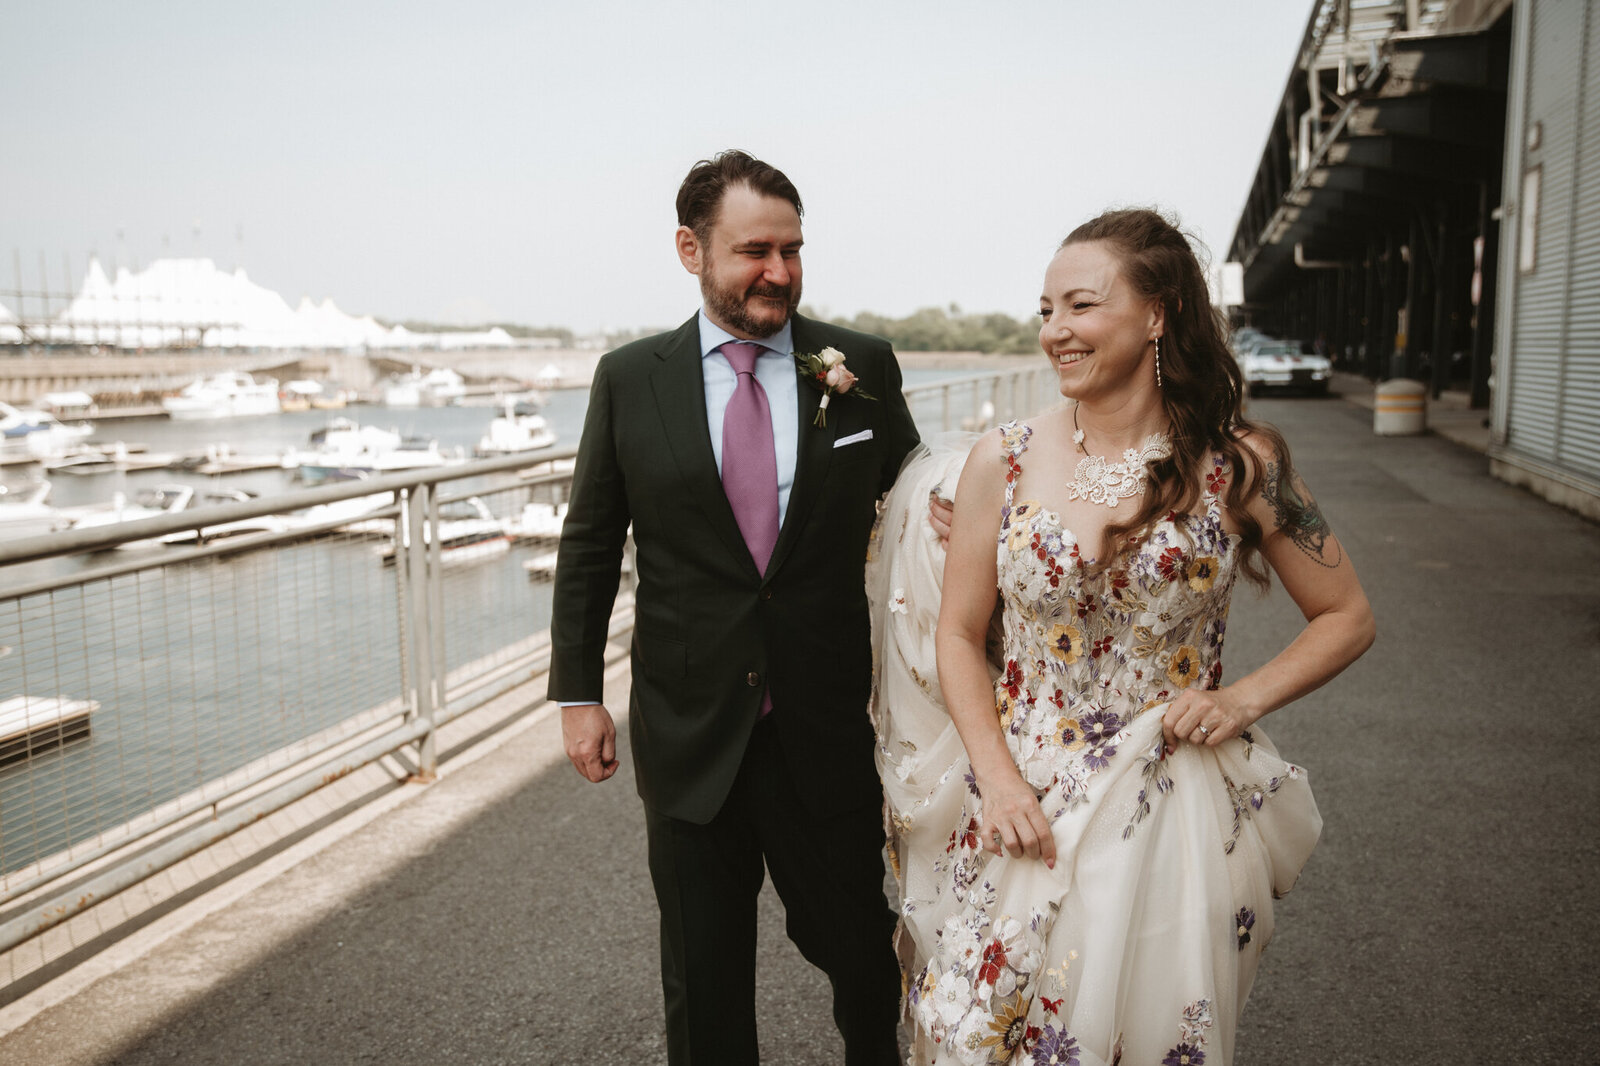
pixel 1369 216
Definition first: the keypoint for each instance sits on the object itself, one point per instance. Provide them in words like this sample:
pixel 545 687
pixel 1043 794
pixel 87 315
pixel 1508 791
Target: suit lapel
pixel 813 452
pixel 679 385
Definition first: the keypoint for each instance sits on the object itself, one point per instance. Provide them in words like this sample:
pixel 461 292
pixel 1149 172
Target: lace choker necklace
pixel 1105 483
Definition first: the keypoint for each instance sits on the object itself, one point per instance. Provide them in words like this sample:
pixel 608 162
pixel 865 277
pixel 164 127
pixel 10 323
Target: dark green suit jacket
pixel 710 632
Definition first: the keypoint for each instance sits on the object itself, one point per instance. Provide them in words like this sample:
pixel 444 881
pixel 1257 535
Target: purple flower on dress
pixel 1056 1047
pixel 1184 1055
pixel 1243 922
pixel 1098 728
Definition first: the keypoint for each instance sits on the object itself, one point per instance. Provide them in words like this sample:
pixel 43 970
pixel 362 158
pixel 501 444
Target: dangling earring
pixel 1158 362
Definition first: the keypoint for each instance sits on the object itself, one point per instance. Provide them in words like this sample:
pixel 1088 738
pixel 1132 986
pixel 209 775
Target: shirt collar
pixel 713 336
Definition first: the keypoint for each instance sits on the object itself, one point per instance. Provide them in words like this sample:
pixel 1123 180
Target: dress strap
pixel 1013 442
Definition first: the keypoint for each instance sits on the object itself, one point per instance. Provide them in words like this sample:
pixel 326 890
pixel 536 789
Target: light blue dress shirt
pixel 775 371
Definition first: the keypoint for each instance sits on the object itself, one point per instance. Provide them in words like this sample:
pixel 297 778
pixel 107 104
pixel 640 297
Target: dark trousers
pixel 830 878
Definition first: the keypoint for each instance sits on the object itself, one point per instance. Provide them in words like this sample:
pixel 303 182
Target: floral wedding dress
pixel 1141 945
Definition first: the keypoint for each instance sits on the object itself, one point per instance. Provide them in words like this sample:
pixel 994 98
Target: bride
pixel 1088 825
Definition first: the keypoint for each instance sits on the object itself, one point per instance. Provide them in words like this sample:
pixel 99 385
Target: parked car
pixel 1275 364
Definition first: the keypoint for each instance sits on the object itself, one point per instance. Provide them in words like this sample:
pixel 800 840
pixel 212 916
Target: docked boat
pixel 147 503
pixel 468 531
pixel 438 387
pixel 541 522
pixel 170 500
pixel 25 512
pixel 225 395
pixel 33 724
pixel 518 428
pixel 30 435
pixel 345 450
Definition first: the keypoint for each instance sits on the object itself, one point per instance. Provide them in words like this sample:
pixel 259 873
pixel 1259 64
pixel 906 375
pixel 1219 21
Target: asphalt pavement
pixel 504 914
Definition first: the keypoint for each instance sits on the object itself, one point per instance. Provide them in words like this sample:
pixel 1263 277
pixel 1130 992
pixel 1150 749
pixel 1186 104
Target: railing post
pixel 419 518
pixel 944 410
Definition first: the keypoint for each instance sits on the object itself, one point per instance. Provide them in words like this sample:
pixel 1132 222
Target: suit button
pixel 766 594
pixel 752 679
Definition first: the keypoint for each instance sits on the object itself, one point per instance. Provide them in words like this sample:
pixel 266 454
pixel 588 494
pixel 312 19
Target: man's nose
pixel 777 269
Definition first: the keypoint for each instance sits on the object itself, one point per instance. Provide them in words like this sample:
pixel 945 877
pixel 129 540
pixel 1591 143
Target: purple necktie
pixel 749 459
pixel 750 463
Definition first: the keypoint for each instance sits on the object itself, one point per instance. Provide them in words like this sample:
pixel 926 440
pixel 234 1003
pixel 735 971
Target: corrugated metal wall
pixel 1579 445
pixel 1552 373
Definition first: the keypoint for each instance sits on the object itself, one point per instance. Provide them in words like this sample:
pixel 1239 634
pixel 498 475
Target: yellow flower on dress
pixel 1021 527
pixel 1185 666
pixel 1006 1031
pixel 1007 708
pixel 1068 734
pixel 1066 643
pixel 1201 572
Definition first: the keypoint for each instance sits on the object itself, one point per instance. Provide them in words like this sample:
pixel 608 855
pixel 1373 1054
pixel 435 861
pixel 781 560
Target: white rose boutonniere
pixel 826 370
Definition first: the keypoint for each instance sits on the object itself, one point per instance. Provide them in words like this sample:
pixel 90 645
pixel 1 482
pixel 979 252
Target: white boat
pixel 31 724
pixel 540 522
pixel 24 512
pixel 170 500
pixel 518 428
pixel 344 450
pixel 224 395
pixel 147 503
pixel 213 497
pixel 438 387
pixel 36 435
pixel 468 531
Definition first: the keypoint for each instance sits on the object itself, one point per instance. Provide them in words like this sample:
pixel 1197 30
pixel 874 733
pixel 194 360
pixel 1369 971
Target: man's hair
pixel 700 195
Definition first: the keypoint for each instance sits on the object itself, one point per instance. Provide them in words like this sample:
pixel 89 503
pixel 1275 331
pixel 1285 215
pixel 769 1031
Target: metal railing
pixel 979 401
pixel 227 678
pixel 286 642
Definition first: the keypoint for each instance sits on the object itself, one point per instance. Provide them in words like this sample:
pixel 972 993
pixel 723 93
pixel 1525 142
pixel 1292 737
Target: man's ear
pixel 689 251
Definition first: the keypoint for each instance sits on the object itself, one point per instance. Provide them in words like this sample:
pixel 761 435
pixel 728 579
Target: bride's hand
pixel 1012 818
pixel 1204 716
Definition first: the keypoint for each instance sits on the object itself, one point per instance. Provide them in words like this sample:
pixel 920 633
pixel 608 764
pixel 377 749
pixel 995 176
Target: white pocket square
pixel 854 438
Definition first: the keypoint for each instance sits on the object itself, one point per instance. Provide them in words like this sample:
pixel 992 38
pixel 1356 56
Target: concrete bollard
pixel 1400 408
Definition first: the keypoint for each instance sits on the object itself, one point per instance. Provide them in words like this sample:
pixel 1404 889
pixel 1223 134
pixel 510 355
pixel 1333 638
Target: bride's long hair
pixel 1202 389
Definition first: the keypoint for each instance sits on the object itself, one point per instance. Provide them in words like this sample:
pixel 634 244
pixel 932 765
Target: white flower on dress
pixel 897 602
pixel 952 996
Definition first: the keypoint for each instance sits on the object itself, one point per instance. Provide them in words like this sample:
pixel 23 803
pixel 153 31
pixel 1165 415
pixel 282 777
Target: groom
pixel 751 663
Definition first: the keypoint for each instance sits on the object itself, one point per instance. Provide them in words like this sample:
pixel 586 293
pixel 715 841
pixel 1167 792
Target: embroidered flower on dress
pixel 1006 1031
pixel 1185 666
pixel 1184 1055
pixel 1066 643
pixel 1201 572
pixel 1056 1047
pixel 1243 921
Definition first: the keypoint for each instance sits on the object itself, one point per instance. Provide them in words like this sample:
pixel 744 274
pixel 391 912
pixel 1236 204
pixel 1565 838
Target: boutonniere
pixel 826 370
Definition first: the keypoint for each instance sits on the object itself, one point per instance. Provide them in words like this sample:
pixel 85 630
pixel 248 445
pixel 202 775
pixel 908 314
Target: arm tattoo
pixel 1299 517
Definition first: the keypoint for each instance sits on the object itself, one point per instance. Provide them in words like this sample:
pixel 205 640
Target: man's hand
pixel 591 740
pixel 941 512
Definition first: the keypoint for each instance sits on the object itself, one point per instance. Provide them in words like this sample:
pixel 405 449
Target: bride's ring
pixel 1204 731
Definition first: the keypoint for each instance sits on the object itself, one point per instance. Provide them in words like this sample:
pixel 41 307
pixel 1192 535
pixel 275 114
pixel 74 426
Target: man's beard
pixel 732 309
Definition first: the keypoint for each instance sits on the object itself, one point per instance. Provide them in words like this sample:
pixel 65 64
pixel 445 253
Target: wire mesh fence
pixel 146 685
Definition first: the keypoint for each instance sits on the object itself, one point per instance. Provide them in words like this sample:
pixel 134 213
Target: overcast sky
pixel 478 161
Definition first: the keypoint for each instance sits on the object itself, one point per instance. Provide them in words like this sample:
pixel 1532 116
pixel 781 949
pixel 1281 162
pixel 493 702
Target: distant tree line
pixel 932 329
pixel 937 329
pixel 560 333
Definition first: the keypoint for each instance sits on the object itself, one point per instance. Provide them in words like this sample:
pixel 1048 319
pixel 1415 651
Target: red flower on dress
pixel 994 958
